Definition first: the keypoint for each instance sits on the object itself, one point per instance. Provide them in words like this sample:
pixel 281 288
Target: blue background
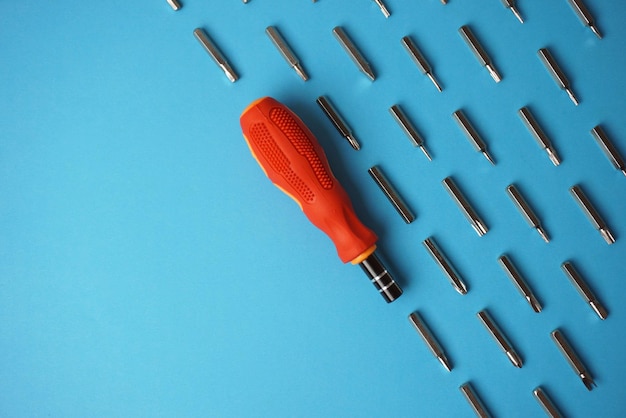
pixel 148 268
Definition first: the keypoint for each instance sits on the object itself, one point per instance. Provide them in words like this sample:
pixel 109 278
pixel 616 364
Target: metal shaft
pixel 539 135
pixel 526 211
pixel 557 74
pixel 499 337
pixel 419 60
pixel 429 339
pixel 215 53
pixel 592 214
pixel 382 8
pixel 608 148
pixel 472 397
pixel 353 52
pixel 583 289
pixel 408 128
pixel 467 210
pixel 546 403
pixel 519 282
pixel 444 263
pixel 391 193
pixel 336 119
pixel 510 4
pixel 585 17
pixel 174 4
pixel 471 134
pixel 573 359
pixel 480 53
pixel 286 51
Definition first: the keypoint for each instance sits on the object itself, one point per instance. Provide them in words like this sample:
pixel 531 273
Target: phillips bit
pixel 501 339
pixel 419 60
pixel 526 211
pixel 467 210
pixel 392 194
pixel 536 131
pixel 510 4
pixel 519 282
pixel 557 74
pixel 442 261
pixel 215 53
pixel 477 405
pixel 609 149
pixel 174 4
pixel 585 16
pixel 547 404
pixel 583 289
pixel 479 52
pixel 429 339
pixel 353 52
pixel 592 214
pixel 286 51
pixel 408 129
pixel 573 359
pixel 382 7
pixel 471 133
pixel 339 123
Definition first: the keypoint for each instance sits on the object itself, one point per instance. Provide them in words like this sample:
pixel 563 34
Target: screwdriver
pixel 294 161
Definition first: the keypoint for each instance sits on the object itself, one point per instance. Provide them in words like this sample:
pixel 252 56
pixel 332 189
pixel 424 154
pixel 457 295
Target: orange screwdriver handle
pixel 294 161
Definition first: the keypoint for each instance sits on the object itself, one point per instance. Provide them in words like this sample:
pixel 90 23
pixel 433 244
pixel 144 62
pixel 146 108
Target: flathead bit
pixel 542 139
pixel 524 208
pixel 573 359
pixel 353 52
pixel 215 53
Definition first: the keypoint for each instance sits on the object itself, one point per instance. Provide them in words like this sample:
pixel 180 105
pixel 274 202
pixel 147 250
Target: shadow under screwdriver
pixel 339 123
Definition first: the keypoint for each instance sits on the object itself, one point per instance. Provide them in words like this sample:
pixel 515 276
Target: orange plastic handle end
pixel 294 161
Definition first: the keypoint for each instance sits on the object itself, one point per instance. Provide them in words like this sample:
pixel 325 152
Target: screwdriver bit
pixel 583 289
pixel 391 193
pixel 215 53
pixel 467 210
pixel 382 7
pixel 592 214
pixel 536 131
pixel 174 4
pixel 583 14
pixel 472 135
pixel 519 282
pixel 547 404
pixel 526 211
pixel 510 4
pixel 339 123
pixel 429 339
pixel 444 263
pixel 573 359
pixel 479 52
pixel 419 60
pixel 557 74
pixel 477 405
pixel 408 128
pixel 609 149
pixel 501 339
pixel 353 52
pixel 286 51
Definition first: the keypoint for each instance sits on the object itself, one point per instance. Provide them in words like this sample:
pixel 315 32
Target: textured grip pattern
pixel 261 136
pixel 299 139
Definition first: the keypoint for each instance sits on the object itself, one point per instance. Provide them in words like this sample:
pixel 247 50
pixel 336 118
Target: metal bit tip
pixel 517 14
pixel 445 363
pixel 298 68
pixel 534 303
pixel 460 287
pixel 624 171
pixel 607 235
pixel 434 80
pixel 494 73
pixel 425 151
pixel 543 233
pixel 353 142
pixel 588 381
pixel 554 157
pixel 175 4
pixel 599 309
pixel 515 359
pixel 595 30
pixel 488 157
pixel 479 227
pixel 383 8
pixel 571 95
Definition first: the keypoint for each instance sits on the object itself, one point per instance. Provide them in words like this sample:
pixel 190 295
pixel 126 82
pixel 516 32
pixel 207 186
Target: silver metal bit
pixel 510 4
pixel 471 134
pixel 419 60
pixel 339 123
pixel 382 7
pixel 547 404
pixel 519 282
pixel 584 290
pixel 429 339
pixel 526 211
pixel 479 52
pixel 391 194
pixel 174 4
pixel 501 339
pixel 444 263
pixel 467 210
pixel 539 135
pixel 353 52
pixel 477 405
pixel 408 128
pixel 585 16
pixel 215 53
pixel 286 51
pixel 573 359
pixel 444 1
pixel 609 149
pixel 557 74
pixel 592 214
